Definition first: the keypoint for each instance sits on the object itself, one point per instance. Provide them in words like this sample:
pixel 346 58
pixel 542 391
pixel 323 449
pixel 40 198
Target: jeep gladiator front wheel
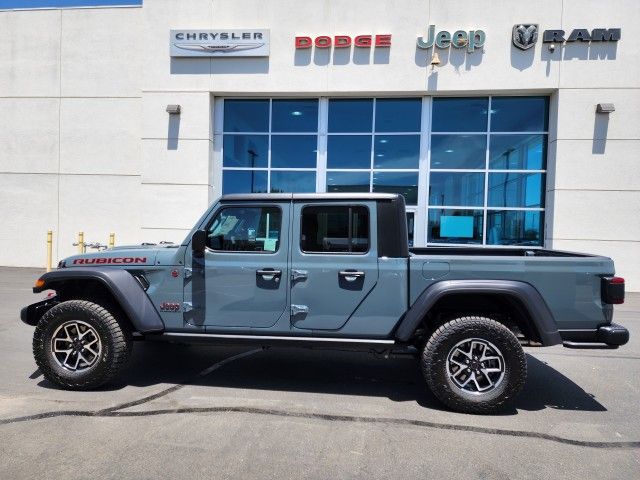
pixel 80 345
pixel 474 365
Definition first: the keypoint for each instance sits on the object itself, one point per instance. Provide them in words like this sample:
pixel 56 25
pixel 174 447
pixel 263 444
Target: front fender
pixel 125 289
pixel 526 294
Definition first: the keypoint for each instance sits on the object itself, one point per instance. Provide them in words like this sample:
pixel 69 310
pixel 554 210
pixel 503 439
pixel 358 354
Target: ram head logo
pixel 525 35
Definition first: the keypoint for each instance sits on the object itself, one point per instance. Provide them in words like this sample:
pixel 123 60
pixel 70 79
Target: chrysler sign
pixel 219 43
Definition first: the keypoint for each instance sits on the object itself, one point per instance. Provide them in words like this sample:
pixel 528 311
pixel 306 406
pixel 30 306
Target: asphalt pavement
pixel 240 412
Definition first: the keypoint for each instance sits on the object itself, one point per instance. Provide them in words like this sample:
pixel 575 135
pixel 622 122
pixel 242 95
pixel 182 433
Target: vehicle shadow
pixel 328 372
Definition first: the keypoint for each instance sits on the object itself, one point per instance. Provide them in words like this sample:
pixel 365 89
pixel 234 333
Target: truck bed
pixel 495 252
pixel 569 282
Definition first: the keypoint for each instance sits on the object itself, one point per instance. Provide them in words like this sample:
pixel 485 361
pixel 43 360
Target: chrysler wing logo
pixel 220 48
pixel 221 43
pixel 525 35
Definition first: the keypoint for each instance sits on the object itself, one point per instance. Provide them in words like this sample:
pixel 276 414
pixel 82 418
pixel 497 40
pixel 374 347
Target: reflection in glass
pixel 410 227
pixel 517 152
pixel 519 114
pixel 245 150
pixel 454 226
pixel 246 115
pixel 514 227
pixel 294 151
pixel 398 114
pixel 350 115
pixel 458 151
pixel 294 115
pixel 516 190
pixel 456 189
pixel 244 181
pixel 396 151
pixel 397 182
pixel 460 114
pixel 347 181
pixel 349 151
pixel 293 182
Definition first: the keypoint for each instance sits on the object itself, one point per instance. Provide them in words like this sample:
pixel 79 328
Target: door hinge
pixel 188 271
pixel 298 274
pixel 187 306
pixel 299 309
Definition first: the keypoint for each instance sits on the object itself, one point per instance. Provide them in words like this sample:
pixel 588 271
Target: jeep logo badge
pixel 525 35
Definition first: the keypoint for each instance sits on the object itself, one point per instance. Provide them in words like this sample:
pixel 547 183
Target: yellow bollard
pixel 80 242
pixel 49 249
pixel 112 239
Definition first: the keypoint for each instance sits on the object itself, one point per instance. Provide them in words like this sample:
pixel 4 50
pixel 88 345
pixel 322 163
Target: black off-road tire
pixel 115 347
pixel 440 344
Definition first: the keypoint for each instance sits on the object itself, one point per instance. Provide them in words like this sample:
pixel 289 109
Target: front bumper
pixel 605 336
pixel 31 314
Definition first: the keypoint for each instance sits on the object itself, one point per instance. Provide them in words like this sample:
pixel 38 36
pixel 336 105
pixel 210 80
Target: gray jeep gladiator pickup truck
pixel 327 270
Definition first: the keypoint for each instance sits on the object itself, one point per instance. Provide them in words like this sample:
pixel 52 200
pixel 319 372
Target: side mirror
pixel 198 242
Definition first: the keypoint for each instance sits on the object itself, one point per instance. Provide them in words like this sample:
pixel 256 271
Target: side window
pixel 342 229
pixel 245 229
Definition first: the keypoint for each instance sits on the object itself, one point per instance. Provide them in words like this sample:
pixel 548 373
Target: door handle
pixel 299 274
pixel 351 275
pixel 268 273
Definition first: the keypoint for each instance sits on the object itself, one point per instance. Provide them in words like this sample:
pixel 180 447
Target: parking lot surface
pixel 241 412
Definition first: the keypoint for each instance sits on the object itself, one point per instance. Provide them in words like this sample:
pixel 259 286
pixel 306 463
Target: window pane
pixel 410 225
pixel 244 181
pixel 458 151
pixel 327 229
pixel 293 182
pixel 348 182
pixel 245 151
pixel 455 226
pixel 294 115
pixel 517 152
pixel 246 116
pixel 397 182
pixel 514 227
pixel 349 151
pixel 397 151
pixel 294 151
pixel 519 114
pixel 250 229
pixel 456 189
pixel 516 190
pixel 350 115
pixel 460 114
pixel 398 114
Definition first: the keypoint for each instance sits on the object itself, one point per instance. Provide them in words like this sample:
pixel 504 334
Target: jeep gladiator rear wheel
pixel 474 365
pixel 80 345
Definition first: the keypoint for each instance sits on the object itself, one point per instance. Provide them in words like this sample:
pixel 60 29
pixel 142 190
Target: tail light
pixel 613 290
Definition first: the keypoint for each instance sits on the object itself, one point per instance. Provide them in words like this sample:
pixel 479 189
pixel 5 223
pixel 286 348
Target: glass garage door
pixel 471 169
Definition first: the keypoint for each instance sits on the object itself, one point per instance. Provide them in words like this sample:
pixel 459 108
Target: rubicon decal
pixel 109 260
pixel 219 43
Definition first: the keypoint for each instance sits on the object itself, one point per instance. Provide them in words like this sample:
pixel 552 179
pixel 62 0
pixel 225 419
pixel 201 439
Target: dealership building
pixel 502 123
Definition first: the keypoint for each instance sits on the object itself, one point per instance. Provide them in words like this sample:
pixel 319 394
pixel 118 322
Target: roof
pixel 307 196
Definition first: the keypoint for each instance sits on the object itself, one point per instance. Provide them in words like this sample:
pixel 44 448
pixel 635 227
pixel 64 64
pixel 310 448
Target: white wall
pixel 86 142
pixel 70 156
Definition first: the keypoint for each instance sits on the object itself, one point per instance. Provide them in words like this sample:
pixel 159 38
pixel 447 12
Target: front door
pixel 334 263
pixel 241 280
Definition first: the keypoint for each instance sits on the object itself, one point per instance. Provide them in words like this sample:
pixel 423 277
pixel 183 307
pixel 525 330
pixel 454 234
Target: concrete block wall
pixel 70 156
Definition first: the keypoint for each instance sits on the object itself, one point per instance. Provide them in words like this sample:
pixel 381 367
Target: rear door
pixel 334 263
